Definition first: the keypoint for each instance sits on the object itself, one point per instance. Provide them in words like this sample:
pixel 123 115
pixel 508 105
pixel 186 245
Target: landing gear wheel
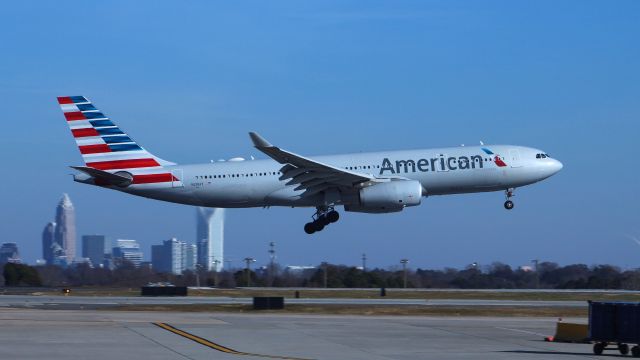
pixel 598 348
pixel 309 228
pixel 324 216
pixel 324 220
pixel 635 351
pixel 508 204
pixel 333 216
pixel 623 348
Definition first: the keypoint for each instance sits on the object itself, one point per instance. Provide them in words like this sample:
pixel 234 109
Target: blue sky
pixel 188 80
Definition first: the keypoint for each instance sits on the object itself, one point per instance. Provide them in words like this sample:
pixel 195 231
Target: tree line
pixel 549 275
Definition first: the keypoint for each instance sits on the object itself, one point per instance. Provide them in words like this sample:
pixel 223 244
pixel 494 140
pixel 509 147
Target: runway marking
pixel 218 347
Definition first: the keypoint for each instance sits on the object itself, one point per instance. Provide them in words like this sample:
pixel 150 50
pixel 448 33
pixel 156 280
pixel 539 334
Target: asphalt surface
pixel 97 335
pixel 81 302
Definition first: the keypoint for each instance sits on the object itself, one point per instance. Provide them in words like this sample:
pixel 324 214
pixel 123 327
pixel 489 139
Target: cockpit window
pixel 542 156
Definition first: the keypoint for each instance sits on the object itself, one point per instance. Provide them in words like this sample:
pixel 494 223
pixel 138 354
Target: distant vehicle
pixel 375 182
pixel 614 325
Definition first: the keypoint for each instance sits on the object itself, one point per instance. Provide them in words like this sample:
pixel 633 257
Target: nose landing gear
pixel 509 194
pixel 322 217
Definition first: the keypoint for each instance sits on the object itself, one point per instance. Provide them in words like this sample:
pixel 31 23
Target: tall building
pixel 65 230
pixel 9 253
pixel 48 239
pixel 190 257
pixel 127 250
pixel 94 247
pixel 210 238
pixel 173 256
pixel 159 259
pixel 174 248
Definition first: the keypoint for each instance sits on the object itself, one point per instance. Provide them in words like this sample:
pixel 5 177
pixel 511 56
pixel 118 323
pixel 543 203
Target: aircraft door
pixel 514 158
pixel 177 177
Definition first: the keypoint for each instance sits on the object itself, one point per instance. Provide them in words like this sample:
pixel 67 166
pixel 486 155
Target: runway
pixel 72 302
pixel 62 334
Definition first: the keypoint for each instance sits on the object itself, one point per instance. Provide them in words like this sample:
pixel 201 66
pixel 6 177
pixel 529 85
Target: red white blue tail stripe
pixel 104 146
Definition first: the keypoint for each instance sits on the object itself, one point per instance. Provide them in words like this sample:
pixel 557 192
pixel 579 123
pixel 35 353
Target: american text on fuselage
pixel 439 163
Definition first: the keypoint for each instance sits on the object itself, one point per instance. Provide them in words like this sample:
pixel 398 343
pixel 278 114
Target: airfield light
pixel 535 268
pixel 404 263
pixel 324 268
pixel 248 261
pixel 215 272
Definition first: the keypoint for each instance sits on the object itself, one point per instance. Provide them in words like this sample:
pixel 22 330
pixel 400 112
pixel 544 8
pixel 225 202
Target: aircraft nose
pixel 556 166
pixel 548 168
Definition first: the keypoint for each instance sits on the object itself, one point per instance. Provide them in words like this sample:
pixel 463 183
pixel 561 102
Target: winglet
pixel 259 141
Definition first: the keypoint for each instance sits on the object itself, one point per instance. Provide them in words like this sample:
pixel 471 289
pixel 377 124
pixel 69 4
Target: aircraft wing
pixel 312 176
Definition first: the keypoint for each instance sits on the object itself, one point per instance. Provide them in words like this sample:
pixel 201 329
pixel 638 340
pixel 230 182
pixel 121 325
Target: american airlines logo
pixel 440 163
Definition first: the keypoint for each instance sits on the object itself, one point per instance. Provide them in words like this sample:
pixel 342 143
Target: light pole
pixel 215 272
pixel 198 266
pixel 364 262
pixel 535 268
pixel 248 261
pixel 324 268
pixel 272 262
pixel 404 263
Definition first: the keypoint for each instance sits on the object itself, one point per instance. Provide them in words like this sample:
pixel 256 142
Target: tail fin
pixel 104 146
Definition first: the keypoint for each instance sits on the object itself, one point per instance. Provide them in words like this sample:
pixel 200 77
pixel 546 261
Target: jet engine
pixel 392 196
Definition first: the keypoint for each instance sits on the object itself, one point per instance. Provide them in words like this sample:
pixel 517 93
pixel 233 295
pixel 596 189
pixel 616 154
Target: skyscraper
pixel 94 247
pixel 159 258
pixel 127 250
pixel 174 248
pixel 48 239
pixel 210 238
pixel 65 230
pixel 190 257
pixel 172 256
pixel 9 253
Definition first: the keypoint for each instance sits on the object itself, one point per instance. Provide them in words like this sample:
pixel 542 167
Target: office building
pixel 210 237
pixel 173 256
pixel 65 229
pixel 94 247
pixel 190 257
pixel 9 253
pixel 127 251
pixel 48 239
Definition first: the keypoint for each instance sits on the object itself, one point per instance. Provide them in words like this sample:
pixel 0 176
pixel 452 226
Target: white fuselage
pixel 257 183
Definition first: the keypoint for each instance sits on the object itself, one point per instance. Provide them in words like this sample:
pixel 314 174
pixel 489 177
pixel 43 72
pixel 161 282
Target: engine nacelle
pixel 389 196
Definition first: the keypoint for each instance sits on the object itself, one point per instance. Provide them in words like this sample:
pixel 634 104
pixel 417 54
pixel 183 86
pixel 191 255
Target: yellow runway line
pixel 218 347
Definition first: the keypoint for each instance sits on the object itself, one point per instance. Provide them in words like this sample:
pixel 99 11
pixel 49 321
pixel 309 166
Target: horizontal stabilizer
pixel 121 179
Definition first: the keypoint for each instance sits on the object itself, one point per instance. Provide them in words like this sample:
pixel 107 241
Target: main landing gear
pixel 322 218
pixel 508 204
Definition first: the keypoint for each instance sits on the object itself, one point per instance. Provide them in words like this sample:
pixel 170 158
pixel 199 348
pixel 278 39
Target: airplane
pixel 373 182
